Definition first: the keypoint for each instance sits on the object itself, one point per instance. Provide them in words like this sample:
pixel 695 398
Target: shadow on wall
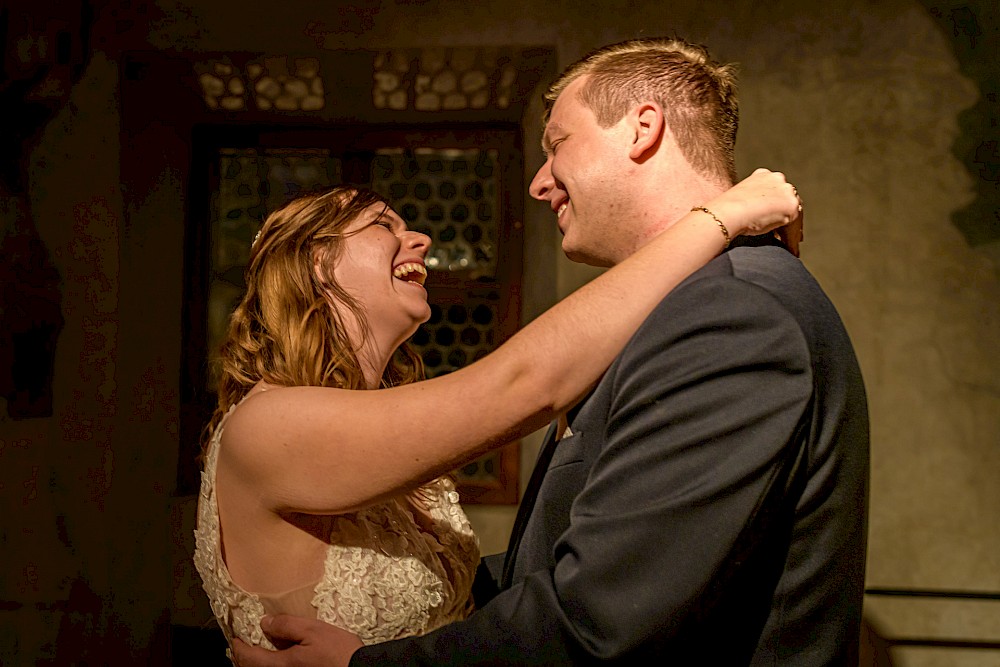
pixel 973 30
pixel 874 647
pixel 30 315
pixel 33 87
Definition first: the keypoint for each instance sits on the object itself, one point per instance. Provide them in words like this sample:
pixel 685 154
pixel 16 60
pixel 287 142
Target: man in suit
pixel 707 502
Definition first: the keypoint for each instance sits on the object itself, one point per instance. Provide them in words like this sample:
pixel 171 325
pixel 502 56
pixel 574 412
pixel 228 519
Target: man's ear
pixel 649 126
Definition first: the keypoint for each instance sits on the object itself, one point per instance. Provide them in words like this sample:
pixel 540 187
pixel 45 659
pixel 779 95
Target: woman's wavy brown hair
pixel 289 329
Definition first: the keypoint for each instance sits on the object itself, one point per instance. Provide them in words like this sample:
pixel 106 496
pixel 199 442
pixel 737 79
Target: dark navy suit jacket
pixel 710 506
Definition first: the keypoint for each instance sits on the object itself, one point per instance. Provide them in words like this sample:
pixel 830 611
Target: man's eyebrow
pixel 550 129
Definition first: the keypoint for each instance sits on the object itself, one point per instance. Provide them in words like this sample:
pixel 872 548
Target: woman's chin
pixel 417 321
pixel 420 315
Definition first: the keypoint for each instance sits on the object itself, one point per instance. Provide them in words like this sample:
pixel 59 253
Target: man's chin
pixel 584 256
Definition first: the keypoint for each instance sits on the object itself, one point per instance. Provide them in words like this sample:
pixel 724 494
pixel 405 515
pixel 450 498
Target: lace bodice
pixel 400 568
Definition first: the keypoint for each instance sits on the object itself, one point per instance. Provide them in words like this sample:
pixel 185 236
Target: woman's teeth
pixel 411 272
pixel 562 209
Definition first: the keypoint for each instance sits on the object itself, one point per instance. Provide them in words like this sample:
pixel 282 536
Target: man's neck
pixel 656 220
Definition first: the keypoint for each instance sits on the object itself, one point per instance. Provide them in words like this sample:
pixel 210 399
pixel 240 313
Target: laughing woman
pixel 323 492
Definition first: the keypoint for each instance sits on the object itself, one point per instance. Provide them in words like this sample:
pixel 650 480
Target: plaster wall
pixel 857 102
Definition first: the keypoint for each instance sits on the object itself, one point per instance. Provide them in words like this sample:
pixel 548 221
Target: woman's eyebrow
pixel 396 219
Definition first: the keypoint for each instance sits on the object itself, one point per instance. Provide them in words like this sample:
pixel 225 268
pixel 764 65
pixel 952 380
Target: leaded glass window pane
pixel 252 184
pixel 449 194
pixel 453 194
pixel 457 334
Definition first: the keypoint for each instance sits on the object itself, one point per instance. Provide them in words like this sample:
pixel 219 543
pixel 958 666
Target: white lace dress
pixel 400 568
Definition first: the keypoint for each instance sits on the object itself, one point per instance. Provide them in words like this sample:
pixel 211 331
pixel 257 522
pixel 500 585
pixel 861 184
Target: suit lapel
pixel 531 493
pixel 528 502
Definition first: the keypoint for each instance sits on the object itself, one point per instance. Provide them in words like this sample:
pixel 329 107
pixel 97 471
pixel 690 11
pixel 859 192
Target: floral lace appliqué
pixel 397 569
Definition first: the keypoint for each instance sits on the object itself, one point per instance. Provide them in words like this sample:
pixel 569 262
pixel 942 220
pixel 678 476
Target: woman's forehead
pixel 378 211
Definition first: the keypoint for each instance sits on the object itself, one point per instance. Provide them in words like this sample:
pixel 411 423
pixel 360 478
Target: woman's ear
pixel 649 125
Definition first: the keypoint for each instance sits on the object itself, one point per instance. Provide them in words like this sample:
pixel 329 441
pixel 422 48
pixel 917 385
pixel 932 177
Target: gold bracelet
pixel 725 232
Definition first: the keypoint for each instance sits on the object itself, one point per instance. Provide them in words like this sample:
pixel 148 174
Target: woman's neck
pixel 373 363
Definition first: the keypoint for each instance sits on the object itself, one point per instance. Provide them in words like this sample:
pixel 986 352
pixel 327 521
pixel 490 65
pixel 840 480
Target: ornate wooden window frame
pixel 377 97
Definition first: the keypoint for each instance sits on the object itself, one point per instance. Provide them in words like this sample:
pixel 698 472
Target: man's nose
pixel 543 182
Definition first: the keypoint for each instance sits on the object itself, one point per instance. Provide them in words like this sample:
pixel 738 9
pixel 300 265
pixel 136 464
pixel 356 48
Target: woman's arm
pixel 322 450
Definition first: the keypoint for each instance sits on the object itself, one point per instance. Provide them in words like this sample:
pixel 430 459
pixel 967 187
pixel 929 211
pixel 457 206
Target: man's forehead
pixel 567 96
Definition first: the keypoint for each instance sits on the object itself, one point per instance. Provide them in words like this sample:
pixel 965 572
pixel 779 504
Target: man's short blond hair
pixel 697 94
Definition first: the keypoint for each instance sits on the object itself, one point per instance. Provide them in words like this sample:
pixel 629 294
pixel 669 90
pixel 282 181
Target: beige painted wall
pixel 857 103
